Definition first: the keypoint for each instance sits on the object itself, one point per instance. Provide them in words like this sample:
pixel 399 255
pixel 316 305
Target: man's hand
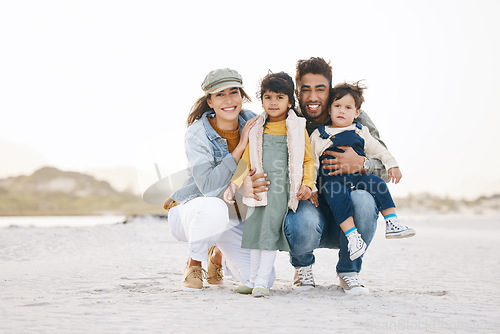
pixel 347 162
pixel 314 198
pixel 304 193
pixel 394 175
pixel 251 187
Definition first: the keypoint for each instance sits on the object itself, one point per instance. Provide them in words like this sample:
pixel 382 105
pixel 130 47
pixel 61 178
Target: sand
pixel 125 278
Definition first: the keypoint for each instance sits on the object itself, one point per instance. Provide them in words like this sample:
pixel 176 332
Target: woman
pixel 216 137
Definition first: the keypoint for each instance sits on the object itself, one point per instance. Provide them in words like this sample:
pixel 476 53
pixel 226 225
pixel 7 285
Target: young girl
pixel 347 100
pixel 278 144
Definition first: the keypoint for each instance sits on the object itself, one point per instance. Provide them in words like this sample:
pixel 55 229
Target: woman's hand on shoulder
pixel 246 131
pixel 242 145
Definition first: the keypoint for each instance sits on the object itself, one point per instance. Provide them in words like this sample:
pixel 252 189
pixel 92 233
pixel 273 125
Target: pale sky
pixel 98 84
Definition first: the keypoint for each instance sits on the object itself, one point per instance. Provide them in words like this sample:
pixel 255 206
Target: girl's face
pixel 276 105
pixel 343 111
pixel 226 104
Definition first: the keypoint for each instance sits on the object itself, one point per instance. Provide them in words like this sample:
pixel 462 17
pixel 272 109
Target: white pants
pixel 203 222
pixel 262 266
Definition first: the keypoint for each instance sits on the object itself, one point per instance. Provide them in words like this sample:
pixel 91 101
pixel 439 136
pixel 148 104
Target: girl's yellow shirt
pixel 279 128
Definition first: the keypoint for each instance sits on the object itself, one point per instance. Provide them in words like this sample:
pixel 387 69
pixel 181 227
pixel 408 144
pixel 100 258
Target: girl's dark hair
pixel 201 105
pixel 278 83
pixel 355 90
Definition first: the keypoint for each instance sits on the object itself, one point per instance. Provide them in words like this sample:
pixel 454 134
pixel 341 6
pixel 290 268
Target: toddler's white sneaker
pixel 395 230
pixel 355 244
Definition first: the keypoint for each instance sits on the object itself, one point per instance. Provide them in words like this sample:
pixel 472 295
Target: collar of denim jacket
pixel 211 133
pixel 243 117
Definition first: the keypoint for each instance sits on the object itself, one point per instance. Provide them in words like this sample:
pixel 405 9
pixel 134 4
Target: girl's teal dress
pixel 264 224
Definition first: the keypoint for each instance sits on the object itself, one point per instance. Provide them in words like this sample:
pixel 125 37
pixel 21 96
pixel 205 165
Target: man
pixel 312 227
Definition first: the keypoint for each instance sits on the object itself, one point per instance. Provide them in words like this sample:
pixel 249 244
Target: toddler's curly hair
pixel 354 89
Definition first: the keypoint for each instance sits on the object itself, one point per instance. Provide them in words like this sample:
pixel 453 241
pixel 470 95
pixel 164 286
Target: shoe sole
pixel 258 293
pixel 243 290
pixel 191 289
pixel 406 234
pixel 303 287
pixel 358 253
pixel 357 291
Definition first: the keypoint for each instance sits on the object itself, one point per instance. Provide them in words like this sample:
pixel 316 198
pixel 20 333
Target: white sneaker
pixel 395 230
pixel 352 285
pixel 355 244
pixel 303 278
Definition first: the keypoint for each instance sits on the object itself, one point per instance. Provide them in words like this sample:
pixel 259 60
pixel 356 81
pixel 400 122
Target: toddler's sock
pixel 391 217
pixel 350 230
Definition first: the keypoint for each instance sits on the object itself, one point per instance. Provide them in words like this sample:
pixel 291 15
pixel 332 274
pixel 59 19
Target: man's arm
pixel 365 120
pixel 376 166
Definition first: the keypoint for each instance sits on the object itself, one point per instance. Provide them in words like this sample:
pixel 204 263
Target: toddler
pixel 346 106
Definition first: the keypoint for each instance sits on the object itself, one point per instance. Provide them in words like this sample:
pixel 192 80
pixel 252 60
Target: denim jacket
pixel 211 166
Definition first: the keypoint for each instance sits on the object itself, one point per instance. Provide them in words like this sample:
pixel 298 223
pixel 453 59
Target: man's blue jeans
pixel 310 228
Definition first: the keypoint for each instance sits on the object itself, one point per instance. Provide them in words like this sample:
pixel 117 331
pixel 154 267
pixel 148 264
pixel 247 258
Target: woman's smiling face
pixel 227 104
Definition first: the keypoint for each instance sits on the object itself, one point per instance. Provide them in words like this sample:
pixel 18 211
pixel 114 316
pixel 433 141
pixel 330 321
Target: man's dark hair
pixel 314 65
pixel 355 90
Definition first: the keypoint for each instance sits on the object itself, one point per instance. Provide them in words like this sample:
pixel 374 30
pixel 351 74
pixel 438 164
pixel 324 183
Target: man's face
pixel 313 96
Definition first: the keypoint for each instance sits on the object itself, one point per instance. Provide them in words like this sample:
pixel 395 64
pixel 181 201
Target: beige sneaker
pixel 303 278
pixel 193 278
pixel 258 292
pixel 214 272
pixel 244 290
pixel 352 285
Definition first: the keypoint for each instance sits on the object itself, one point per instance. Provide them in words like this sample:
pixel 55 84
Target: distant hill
pixel 425 202
pixel 50 191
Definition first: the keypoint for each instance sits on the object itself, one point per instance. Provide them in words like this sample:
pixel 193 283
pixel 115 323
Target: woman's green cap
pixel 220 79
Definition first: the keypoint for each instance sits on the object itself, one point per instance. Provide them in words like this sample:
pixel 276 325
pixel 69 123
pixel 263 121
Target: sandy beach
pixel 125 278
